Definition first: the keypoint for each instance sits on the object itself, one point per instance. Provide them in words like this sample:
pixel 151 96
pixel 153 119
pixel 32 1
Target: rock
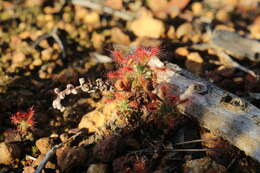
pixel 163 7
pixel 71 157
pixel 222 16
pixel 92 124
pixel 171 32
pixel 121 164
pixel 33 3
pixel 194 63
pixel 224 27
pixel 158 6
pixel 92 18
pixel 225 71
pixel 255 28
pixel 18 57
pixel 45 144
pixel 97 168
pixel 28 169
pixel 12 135
pixel 184 30
pixel 146 26
pixel 182 51
pixel 197 8
pixel 95 120
pixel 178 4
pixel 67 75
pixel 46 54
pixel 119 37
pixel 9 152
pixel 147 42
pixel 40 158
pixel 174 12
pixel 221 4
pixel 64 137
pixel 44 44
pixel 24 35
pixel 108 149
pixel 80 13
pixel 205 165
pixel 97 40
pixel 37 62
pixel 114 4
pixel 246 6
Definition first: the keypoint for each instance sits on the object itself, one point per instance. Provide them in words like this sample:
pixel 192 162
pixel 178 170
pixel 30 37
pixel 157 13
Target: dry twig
pixel 226 42
pixel 51 153
pixel 95 6
pixel 55 36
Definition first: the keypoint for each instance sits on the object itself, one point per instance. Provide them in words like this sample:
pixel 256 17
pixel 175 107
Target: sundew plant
pixel 135 82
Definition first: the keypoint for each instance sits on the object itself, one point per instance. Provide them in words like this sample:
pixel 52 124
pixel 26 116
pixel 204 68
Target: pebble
pixel 171 32
pixel 46 54
pixel 71 157
pixel 37 62
pixel 182 51
pixel 97 40
pixel 44 44
pixel 80 12
pixel 18 57
pixel 197 8
pixel 45 144
pixel 28 169
pixel 64 137
pixel 157 7
pixel 119 37
pixel 225 27
pixel 194 63
pixel 114 4
pixel 92 18
pixel 9 152
pixel 97 119
pixel 203 165
pixel 184 29
pixel 97 168
pixel 108 149
pixel 255 28
pixel 147 26
pixel 92 124
pixel 222 15
pixel 24 35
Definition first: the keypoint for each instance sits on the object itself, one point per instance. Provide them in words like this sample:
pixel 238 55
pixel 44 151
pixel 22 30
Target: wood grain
pixel 223 113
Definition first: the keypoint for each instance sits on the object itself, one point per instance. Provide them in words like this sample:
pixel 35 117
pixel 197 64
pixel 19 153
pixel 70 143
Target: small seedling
pixel 24 121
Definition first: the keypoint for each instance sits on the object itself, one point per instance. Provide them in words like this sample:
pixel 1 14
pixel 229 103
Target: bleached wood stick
pixel 51 152
pixel 223 113
pixel 121 14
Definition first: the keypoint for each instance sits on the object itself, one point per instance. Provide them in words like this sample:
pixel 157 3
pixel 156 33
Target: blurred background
pixel 49 43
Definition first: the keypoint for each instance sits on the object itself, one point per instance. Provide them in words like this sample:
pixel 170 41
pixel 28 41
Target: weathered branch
pixel 55 36
pixel 223 113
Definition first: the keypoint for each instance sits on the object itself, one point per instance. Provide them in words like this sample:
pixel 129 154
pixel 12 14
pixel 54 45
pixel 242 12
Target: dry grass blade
pixel 195 141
